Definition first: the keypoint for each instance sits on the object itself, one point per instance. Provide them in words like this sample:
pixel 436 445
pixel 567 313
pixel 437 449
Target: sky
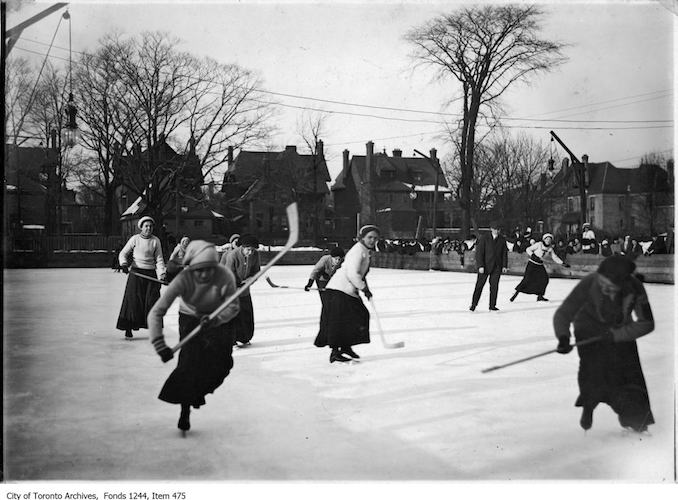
pixel 613 97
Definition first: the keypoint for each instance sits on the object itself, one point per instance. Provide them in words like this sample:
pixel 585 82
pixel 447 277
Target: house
pixel 31 187
pixel 637 201
pixel 260 184
pixel 395 192
pixel 174 180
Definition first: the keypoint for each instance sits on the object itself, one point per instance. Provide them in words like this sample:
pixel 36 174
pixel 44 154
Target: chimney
pixel 368 160
pixel 397 153
pixel 319 148
pixel 229 156
pixel 432 153
pixel 290 149
pixel 345 165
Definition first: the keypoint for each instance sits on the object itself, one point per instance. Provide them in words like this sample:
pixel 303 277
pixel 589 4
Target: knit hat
pixel 617 268
pixel 586 224
pixel 368 228
pixel 248 240
pixel 234 237
pixel 144 219
pixel 547 235
pixel 200 254
pixel 337 252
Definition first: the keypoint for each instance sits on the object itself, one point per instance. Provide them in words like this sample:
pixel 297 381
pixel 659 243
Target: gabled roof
pixel 403 169
pixel 252 165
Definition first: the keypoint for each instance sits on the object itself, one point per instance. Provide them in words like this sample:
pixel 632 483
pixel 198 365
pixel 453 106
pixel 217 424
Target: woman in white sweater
pixel 536 279
pixel 344 320
pixel 143 255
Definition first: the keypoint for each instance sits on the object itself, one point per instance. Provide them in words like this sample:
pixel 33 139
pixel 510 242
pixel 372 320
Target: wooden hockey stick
pixel 268 280
pixel 577 344
pixel 149 278
pixel 387 345
pixel 293 224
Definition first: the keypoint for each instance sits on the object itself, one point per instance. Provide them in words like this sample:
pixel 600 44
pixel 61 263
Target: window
pixel 198 223
pixel 592 203
pixel 621 203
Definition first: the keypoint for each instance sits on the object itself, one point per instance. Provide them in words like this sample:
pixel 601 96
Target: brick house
pixel 31 187
pixel 393 192
pixel 637 201
pixel 188 214
pixel 260 184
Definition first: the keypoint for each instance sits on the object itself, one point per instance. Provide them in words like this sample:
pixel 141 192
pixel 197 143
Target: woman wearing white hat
pixel 206 360
pixel 143 254
pixel 344 319
pixel 536 279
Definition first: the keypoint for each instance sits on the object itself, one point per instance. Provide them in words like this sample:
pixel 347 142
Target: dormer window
pixel 417 175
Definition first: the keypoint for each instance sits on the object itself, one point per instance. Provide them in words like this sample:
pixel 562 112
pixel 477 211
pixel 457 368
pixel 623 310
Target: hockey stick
pixel 293 223
pixel 149 278
pixel 268 280
pixel 577 344
pixel 387 345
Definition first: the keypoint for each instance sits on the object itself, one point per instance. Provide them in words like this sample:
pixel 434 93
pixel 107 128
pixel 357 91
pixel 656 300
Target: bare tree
pixel 486 49
pixel 19 82
pixel 138 92
pixel 311 128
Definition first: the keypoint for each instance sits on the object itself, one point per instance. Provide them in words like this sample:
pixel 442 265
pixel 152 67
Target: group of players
pixel 609 310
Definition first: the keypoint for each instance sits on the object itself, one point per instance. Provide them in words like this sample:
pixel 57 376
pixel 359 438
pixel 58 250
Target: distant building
pixel 188 214
pixel 31 188
pixel 394 192
pixel 260 184
pixel 637 201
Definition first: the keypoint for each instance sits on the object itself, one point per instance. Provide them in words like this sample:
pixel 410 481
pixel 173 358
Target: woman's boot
pixel 541 298
pixel 128 334
pixel 586 420
pixel 350 352
pixel 184 421
pixel 336 356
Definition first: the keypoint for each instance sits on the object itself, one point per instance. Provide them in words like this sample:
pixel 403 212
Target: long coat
pixel 609 370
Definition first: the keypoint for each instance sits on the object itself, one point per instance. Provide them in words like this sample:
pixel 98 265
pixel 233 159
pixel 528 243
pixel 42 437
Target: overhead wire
pixel 437 113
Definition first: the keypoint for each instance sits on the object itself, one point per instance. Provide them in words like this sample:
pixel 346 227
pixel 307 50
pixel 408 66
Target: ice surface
pixel 81 403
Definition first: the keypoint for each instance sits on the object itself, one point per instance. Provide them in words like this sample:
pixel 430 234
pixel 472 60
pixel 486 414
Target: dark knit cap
pixel 337 252
pixel 617 268
pixel 248 240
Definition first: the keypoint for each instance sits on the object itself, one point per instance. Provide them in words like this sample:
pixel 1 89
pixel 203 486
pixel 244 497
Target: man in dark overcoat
pixel 491 261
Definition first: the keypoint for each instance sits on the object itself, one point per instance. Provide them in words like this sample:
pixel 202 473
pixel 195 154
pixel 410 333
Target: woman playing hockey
pixel 344 319
pixel 325 268
pixel 604 304
pixel 536 279
pixel 207 359
pixel 145 251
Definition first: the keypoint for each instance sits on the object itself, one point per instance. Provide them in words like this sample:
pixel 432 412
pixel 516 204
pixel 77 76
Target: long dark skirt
pixel 610 372
pixel 344 320
pixel 535 280
pixel 140 296
pixel 204 363
pixel 243 323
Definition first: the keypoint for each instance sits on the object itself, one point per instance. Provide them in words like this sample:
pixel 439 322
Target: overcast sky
pixel 620 69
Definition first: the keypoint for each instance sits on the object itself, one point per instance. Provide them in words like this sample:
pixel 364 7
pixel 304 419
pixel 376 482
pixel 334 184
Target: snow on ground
pixel 81 403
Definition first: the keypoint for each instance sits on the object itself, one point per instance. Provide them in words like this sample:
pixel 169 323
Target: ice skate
pixel 350 352
pixel 335 355
pixel 184 423
pixel 586 420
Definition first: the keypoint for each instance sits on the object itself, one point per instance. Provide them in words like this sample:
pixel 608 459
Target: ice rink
pixel 80 403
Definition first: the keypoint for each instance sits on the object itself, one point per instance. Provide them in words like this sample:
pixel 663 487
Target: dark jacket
pixel 491 253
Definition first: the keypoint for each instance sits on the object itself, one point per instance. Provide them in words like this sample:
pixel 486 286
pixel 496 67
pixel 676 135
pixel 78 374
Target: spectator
pixel 574 246
pixel 561 249
pixel 605 249
pixel 588 240
pixel 658 245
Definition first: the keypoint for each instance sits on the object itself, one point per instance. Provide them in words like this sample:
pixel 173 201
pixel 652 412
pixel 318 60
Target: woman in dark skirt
pixel 603 304
pixel 243 262
pixel 344 320
pixel 536 279
pixel 143 255
pixel 206 360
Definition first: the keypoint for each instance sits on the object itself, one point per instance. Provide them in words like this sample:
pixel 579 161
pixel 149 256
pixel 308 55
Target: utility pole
pixel 581 173
pixel 435 192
